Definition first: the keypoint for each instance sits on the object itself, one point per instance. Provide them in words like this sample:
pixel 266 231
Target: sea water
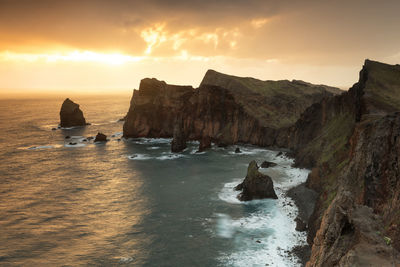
pixel 70 202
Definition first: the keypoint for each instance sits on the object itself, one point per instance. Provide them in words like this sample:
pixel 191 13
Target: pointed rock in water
pixel 100 138
pixel 205 143
pixel 71 115
pixel 267 164
pixel 256 185
pixel 237 150
pixel 179 142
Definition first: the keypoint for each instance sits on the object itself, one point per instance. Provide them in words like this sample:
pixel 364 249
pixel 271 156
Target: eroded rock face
pixel 356 171
pixel 350 235
pixel 71 115
pixel 225 115
pixel 205 143
pixel 179 140
pixel 256 185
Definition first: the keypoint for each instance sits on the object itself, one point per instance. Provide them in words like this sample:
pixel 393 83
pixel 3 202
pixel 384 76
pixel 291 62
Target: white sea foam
pixel 170 156
pixel 266 235
pixel 118 134
pixel 39 147
pixel 164 156
pixel 139 157
pixel 73 144
pixel 153 147
pixel 146 141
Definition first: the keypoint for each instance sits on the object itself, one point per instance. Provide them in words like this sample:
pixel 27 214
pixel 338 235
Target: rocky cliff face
pixel 351 141
pixel 251 113
pixel 71 114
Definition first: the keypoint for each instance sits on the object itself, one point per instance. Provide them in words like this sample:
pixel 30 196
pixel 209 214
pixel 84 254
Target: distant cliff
pixel 225 108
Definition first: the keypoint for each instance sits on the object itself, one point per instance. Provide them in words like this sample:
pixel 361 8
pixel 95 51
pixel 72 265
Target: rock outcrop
pixel 267 164
pixel 71 115
pixel 179 140
pixel 205 143
pixel 227 115
pixel 100 137
pixel 256 185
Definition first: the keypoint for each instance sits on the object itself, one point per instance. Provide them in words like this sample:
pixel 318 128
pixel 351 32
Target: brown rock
pixel 179 141
pixel 205 143
pixel 71 115
pixel 100 138
pixel 256 185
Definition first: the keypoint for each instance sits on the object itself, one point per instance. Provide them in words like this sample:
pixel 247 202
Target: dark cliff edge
pixel 226 109
pixel 350 141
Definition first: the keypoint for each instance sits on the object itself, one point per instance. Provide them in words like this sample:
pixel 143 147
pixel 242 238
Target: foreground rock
pixel 71 115
pixel 100 138
pixel 256 185
pixel 179 142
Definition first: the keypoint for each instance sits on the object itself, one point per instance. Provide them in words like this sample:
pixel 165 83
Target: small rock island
pixel 256 185
pixel 71 115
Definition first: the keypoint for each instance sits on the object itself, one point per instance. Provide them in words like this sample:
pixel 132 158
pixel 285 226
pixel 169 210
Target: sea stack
pixel 71 114
pixel 205 143
pixel 100 137
pixel 179 141
pixel 256 185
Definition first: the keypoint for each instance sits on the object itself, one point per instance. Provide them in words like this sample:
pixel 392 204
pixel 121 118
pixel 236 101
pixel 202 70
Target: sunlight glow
pixel 75 56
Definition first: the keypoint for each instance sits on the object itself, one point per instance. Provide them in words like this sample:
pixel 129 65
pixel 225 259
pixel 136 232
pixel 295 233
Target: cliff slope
pixel 222 108
pixel 352 143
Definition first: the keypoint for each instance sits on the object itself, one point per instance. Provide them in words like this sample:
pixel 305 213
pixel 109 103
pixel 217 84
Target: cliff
pixel 351 141
pixel 226 109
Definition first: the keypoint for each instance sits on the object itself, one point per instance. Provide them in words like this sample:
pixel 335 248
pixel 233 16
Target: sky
pixel 109 46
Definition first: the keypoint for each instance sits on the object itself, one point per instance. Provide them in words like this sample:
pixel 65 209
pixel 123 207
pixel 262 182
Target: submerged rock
pixel 237 150
pixel 205 143
pixel 179 142
pixel 71 115
pixel 256 185
pixel 267 164
pixel 100 137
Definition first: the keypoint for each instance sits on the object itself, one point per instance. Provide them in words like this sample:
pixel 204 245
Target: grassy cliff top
pixel 275 104
pixel 382 86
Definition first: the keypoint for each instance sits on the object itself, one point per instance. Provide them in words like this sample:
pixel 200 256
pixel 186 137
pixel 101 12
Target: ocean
pixel 132 202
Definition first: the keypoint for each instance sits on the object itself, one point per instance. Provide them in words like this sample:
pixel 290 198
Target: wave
pixel 265 235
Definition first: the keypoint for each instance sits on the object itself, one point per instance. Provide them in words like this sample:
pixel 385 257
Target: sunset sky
pixel 88 45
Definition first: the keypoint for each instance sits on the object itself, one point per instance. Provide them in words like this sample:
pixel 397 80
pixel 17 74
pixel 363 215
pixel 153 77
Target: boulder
pixel 71 115
pixel 301 226
pixel 256 185
pixel 100 137
pixel 179 141
pixel 237 150
pixel 267 164
pixel 205 143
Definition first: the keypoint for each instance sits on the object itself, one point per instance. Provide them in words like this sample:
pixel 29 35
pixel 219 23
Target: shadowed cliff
pixel 225 108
